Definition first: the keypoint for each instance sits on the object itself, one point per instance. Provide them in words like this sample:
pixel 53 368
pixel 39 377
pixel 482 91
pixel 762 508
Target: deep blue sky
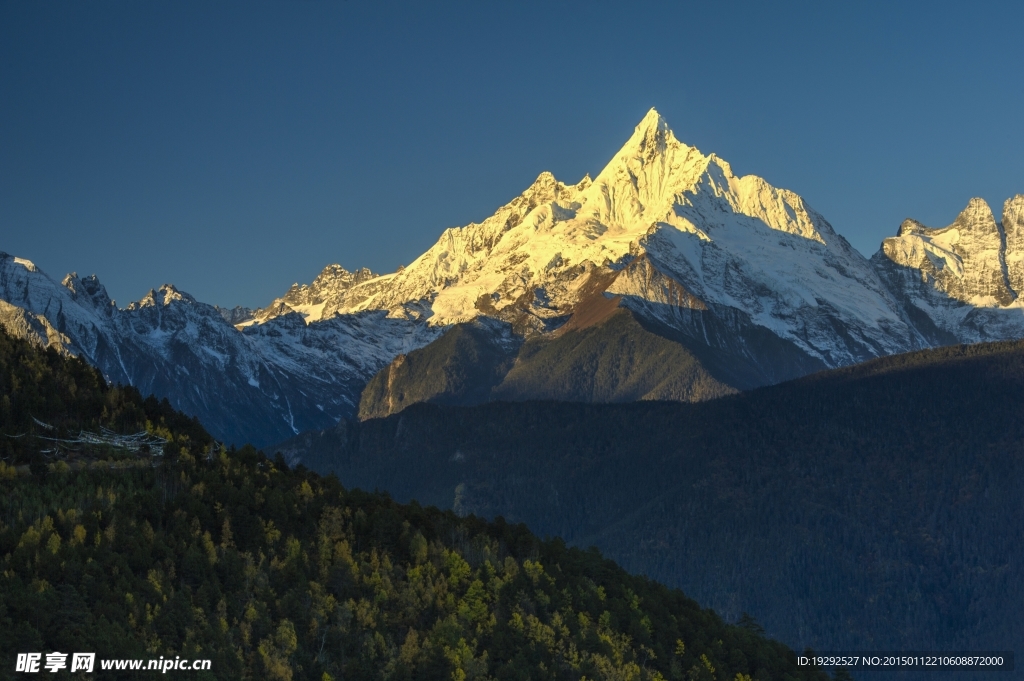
pixel 233 148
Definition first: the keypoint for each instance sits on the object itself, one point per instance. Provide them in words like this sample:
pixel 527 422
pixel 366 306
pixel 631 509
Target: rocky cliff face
pixel 961 283
pixel 1013 228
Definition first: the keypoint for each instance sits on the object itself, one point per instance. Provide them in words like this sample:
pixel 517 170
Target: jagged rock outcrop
pixel 960 283
pixel 328 294
pixel 236 315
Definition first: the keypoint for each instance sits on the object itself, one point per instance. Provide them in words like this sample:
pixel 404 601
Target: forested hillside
pixel 47 399
pixel 274 573
pixel 877 506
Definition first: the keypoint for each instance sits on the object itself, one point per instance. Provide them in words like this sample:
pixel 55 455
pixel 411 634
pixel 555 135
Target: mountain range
pixel 666 276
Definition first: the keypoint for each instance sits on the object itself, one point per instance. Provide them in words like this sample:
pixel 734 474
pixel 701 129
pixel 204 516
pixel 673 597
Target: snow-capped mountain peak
pixel 733 241
pixel 89 291
pixel 162 297
pixel 656 178
pixel 318 300
pixel 641 181
pixel 965 278
pixel 965 259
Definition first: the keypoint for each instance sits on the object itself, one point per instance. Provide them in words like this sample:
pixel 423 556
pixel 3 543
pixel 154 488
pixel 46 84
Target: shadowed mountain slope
pixel 605 352
pixel 877 506
pixel 614 359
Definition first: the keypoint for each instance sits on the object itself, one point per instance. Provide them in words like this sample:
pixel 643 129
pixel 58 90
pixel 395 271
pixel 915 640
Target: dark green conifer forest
pixel 275 573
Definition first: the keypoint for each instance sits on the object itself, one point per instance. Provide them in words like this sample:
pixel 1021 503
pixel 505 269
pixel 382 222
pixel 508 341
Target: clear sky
pixel 234 148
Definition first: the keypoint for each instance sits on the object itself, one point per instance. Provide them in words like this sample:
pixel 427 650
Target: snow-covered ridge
pixel 262 385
